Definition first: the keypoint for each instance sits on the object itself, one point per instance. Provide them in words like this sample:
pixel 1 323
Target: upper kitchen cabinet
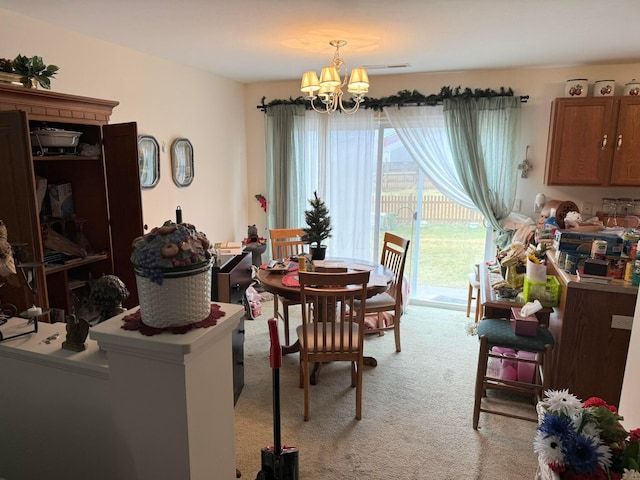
pixel 69 193
pixel 594 141
pixel 625 169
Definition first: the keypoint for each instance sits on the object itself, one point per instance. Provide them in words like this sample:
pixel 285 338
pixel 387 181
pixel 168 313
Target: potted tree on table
pixel 318 227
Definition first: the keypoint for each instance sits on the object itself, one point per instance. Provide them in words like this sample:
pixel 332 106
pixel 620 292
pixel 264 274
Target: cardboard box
pixel 526 326
pixel 570 241
pixel 61 199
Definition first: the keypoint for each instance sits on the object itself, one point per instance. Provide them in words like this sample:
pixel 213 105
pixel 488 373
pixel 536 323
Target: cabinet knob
pixel 619 143
pixel 604 142
pixel 236 286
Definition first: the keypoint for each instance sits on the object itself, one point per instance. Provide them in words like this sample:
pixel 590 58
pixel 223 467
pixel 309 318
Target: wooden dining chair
pixel 388 306
pixel 332 329
pixel 285 243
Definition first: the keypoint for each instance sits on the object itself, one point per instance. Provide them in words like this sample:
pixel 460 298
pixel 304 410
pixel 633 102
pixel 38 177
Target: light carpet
pixel 417 409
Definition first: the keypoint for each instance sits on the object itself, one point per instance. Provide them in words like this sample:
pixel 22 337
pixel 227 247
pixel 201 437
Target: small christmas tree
pixel 318 221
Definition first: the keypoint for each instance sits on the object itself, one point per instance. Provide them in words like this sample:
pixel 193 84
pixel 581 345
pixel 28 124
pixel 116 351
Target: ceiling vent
pixel 386 67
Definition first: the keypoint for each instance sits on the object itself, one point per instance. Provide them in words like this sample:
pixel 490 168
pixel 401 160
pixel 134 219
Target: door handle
pixel 619 143
pixel 604 142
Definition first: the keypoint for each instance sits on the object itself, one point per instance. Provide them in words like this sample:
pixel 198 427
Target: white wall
pixel 167 101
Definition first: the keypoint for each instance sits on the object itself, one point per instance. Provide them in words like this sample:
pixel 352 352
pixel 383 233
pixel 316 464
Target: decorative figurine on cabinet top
pixel 77 332
pixel 106 295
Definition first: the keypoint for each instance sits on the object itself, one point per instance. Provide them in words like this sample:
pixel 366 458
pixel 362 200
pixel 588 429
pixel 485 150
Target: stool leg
pixel 478 306
pixel 469 298
pixel 480 378
pixel 546 369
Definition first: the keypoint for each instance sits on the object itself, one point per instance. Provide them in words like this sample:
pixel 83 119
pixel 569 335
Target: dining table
pixel 284 283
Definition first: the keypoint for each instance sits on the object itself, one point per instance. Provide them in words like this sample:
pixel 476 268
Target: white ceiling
pixel 262 40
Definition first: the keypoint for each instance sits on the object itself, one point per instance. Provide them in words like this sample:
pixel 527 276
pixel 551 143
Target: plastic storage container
pixel 547 293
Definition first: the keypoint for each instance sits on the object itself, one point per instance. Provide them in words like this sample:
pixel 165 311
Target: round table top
pixel 379 282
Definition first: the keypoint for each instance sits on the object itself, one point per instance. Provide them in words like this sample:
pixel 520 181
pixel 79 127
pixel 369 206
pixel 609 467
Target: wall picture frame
pixel 182 167
pixel 148 161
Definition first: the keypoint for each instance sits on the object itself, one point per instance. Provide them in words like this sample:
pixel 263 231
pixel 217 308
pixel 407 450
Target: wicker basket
pixel 183 298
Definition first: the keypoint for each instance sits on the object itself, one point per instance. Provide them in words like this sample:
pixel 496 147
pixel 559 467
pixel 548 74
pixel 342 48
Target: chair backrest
pixel 286 242
pixel 394 257
pixel 330 269
pixel 329 314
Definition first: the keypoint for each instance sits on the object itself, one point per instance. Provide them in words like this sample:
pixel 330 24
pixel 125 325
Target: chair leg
pixel 300 370
pixel 354 375
pixel 480 379
pixel 380 321
pixel 396 332
pixel 478 305
pixel 285 318
pixel 359 389
pixel 469 298
pixel 305 382
pixel 276 300
pixel 546 367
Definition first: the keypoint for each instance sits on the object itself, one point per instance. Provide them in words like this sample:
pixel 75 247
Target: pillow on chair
pixel 371 321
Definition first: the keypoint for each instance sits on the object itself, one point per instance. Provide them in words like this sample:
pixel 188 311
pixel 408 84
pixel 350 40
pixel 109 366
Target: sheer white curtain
pixel 339 162
pixel 422 132
pixel 484 135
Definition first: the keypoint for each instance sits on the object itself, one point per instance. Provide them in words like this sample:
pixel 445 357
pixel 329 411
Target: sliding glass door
pixel 446 238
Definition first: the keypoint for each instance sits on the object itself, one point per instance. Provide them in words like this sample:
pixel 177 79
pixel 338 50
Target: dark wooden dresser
pixel 229 281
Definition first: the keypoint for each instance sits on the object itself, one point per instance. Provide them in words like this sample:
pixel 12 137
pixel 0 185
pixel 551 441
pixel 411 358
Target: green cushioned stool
pixel 499 333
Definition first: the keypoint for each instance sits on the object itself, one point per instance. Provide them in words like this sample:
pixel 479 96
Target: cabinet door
pixel 18 203
pixel 580 141
pixel 125 203
pixel 626 148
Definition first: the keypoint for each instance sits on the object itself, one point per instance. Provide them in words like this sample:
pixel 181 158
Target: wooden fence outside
pixel 435 208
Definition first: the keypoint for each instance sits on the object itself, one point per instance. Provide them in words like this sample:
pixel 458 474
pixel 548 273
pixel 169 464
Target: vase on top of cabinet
pixel 576 87
pixel 604 88
pixel 632 88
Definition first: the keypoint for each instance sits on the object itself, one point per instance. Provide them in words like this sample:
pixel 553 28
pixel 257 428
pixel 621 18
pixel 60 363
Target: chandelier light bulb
pixel 309 83
pixel 359 81
pixel 330 77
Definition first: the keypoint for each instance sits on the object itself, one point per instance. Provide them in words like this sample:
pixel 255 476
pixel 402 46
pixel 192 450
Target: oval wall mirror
pixel 182 162
pixel 148 161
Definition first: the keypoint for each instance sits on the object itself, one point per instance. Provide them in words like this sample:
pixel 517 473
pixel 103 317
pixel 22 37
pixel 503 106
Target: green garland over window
pixel 404 98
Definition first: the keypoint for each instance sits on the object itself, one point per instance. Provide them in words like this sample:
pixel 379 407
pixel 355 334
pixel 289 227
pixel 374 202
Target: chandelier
pixel 329 88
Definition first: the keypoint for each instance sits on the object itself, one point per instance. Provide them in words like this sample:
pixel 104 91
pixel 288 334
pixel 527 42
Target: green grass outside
pixel 447 252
